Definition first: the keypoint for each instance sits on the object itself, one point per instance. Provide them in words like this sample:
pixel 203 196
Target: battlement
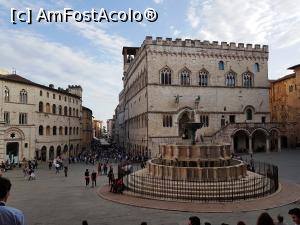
pixel 178 42
pixel 75 86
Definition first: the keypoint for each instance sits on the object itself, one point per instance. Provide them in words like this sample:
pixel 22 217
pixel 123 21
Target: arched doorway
pixel 284 141
pixel 44 153
pixel 259 140
pixel 274 139
pixel 182 121
pixel 12 152
pixel 65 149
pixel 58 151
pixel 51 153
pixel 241 141
pixel 71 150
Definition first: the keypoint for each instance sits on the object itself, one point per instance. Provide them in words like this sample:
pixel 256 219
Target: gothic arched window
pixel 221 65
pixel 230 79
pixel 41 130
pixel 48 110
pixel 6 94
pixel 249 114
pixel 185 77
pixel 203 78
pixel 41 107
pixel 166 76
pixel 23 96
pixel 54 109
pixel 247 79
pixel 256 67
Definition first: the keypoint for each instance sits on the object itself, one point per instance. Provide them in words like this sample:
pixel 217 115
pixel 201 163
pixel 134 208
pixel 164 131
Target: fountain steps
pixel 197 191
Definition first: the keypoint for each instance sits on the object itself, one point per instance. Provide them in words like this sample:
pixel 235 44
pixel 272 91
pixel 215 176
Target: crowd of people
pixel 102 159
pixel 263 219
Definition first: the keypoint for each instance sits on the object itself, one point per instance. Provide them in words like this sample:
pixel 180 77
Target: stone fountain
pixel 188 171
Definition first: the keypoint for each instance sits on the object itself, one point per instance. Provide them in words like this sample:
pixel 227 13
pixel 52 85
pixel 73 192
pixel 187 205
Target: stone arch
pixel 184 117
pixel 58 151
pixel 77 149
pixel 240 129
pixel 241 141
pixel 44 153
pixel 247 107
pixel 260 140
pixel 51 153
pixel 14 133
pixel 71 150
pixel 65 148
pixel 261 129
pixel 249 111
pixel 275 139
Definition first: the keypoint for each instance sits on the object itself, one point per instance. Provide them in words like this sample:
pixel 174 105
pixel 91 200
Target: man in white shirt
pixel 295 214
pixel 8 215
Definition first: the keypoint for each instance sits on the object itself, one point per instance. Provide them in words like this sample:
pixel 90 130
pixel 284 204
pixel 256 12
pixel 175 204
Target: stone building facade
pixel 170 82
pixel 87 129
pixel 285 106
pixel 110 124
pixel 38 121
pixel 97 128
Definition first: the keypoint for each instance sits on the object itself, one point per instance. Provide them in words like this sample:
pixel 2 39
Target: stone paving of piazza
pixel 55 200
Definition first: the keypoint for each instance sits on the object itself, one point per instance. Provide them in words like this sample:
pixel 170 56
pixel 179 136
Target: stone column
pixel 188 151
pixel 2 143
pixel 47 154
pixel 279 144
pixel 232 145
pixel 250 145
pixel 268 144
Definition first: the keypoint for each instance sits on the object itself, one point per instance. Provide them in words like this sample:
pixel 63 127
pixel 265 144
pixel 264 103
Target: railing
pixel 261 181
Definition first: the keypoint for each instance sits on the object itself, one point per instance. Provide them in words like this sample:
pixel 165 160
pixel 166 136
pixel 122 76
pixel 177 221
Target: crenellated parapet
pixel 178 42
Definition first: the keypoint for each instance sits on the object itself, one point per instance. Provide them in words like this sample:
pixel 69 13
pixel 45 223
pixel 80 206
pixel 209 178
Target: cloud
pixel 272 22
pixel 106 43
pixel 175 31
pixel 45 62
pixel 158 1
pixel 266 21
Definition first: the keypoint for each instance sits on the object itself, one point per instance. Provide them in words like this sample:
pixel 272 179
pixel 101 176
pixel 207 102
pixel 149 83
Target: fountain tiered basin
pixel 196 162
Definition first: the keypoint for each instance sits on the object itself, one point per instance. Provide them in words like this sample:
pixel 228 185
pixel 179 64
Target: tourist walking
pixel 105 169
pixel 110 176
pixel 94 177
pixel 87 177
pixel 99 168
pixel 57 167
pixel 66 171
pixel 8 215
pixel 50 165
pixel 31 174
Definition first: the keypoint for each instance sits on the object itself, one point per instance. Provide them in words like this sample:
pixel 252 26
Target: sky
pixel 90 54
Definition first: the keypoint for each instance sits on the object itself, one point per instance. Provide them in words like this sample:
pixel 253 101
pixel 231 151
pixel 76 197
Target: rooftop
pixel 283 78
pixel 294 67
pixel 19 79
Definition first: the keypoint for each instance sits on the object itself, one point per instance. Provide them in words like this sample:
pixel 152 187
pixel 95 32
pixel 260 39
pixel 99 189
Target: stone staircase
pixel 253 186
